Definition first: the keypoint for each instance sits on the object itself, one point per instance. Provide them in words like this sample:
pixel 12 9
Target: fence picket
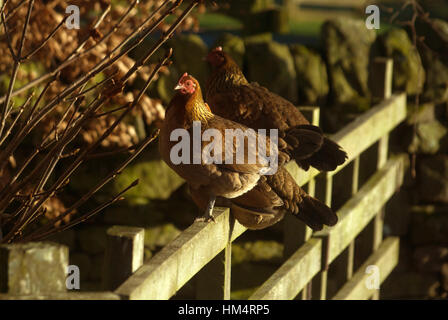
pixel 385 259
pixel 124 254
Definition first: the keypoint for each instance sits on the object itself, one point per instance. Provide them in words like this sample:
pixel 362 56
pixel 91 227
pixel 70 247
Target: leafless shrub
pixel 66 107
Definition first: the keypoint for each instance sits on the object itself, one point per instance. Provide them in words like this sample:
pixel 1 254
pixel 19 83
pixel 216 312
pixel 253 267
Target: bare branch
pixel 24 196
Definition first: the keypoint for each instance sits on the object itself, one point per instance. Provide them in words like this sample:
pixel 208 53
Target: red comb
pixel 183 76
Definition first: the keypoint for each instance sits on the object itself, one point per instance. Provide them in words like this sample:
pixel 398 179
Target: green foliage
pixel 409 74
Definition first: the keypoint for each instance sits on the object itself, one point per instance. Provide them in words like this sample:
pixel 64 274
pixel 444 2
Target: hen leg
pixel 208 216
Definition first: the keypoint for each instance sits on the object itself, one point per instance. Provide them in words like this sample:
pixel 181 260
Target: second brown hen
pixel 234 98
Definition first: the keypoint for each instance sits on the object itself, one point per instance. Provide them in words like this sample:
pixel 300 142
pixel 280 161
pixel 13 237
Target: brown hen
pixel 233 97
pixel 230 179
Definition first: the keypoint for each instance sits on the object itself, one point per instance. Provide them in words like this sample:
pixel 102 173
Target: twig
pixel 83 217
pixel 13 10
pixel 96 85
pixel 22 108
pixel 99 115
pixel 101 184
pixel 75 164
pixel 76 55
pixel 102 65
pixel 17 59
pixel 42 44
pixel 111 153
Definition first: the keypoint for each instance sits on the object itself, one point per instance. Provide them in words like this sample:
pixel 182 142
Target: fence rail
pixel 180 260
pixel 204 249
pixel 323 248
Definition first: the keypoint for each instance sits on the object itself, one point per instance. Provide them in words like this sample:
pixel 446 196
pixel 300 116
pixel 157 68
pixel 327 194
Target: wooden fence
pixel 204 250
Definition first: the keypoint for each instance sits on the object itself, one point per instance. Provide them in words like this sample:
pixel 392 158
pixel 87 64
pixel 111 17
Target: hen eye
pixel 190 84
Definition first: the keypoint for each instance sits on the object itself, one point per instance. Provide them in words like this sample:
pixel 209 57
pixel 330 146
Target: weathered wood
pixel 72 295
pixel 378 229
pixel 300 176
pixel 370 127
pixel 383 150
pixel 385 258
pixel 378 223
pixel 322 278
pixel 381 77
pixel 33 268
pixel 345 265
pixel 350 260
pixel 320 285
pixel 381 86
pixel 351 248
pixel 328 189
pixel 293 275
pixel 360 209
pixel 355 176
pixel 227 288
pixel 295 232
pixel 180 260
pixel 213 281
pixel 124 254
pixel 312 113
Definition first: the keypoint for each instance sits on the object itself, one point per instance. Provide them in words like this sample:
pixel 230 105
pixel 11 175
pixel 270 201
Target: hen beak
pixel 178 87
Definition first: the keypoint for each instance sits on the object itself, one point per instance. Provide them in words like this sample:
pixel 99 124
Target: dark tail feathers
pixel 315 214
pixel 328 158
pixel 303 141
pixel 309 147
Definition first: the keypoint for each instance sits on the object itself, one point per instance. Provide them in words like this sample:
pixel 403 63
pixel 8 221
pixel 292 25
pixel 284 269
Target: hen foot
pixel 208 216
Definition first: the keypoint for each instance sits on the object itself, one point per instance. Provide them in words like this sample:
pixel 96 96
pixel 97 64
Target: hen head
pixel 217 58
pixel 187 85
